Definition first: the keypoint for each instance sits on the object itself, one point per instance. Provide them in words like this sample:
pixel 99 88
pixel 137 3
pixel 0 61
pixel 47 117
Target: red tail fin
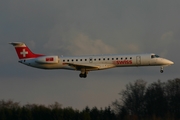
pixel 23 51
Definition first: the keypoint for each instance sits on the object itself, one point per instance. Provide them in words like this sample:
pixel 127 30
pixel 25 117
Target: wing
pixel 83 66
pixel 90 67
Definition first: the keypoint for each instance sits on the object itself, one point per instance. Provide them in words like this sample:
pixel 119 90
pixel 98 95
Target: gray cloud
pixel 84 27
pixel 79 44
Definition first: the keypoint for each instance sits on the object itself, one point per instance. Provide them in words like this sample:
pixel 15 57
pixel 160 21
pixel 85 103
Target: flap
pixel 82 66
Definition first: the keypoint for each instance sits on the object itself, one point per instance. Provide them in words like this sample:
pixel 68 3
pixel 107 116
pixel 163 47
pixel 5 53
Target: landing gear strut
pixel 83 75
pixel 161 70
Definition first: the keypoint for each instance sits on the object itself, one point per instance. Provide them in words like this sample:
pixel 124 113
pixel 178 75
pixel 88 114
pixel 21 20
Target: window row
pixel 95 59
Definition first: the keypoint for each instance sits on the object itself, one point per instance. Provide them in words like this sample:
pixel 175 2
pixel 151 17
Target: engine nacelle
pixel 47 59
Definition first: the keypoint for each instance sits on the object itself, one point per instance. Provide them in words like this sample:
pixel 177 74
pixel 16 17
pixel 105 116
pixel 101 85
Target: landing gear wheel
pixel 85 75
pixel 82 75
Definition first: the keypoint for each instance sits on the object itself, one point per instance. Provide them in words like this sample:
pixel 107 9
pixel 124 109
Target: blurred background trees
pixel 138 101
pixel 158 100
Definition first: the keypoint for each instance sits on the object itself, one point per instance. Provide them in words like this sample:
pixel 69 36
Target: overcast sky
pixel 64 27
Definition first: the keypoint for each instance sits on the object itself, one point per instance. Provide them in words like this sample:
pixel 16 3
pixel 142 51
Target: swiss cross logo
pixel 24 52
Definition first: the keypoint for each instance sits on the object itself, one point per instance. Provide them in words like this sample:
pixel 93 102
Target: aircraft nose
pixel 169 62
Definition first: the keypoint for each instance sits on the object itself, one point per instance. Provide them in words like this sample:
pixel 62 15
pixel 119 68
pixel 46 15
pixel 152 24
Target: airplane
pixel 85 64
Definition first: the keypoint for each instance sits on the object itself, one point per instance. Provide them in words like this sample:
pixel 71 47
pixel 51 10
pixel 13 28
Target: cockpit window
pixel 154 56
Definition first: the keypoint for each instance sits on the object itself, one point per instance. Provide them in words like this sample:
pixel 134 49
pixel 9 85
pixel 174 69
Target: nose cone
pixel 168 62
pixel 164 62
pixel 171 62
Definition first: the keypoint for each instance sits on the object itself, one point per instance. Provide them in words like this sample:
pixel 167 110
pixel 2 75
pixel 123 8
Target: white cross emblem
pixel 24 52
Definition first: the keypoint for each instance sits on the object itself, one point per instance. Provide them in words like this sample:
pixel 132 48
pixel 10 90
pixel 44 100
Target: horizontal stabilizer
pixel 17 44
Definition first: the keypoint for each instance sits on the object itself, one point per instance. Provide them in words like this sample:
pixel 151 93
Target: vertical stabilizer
pixel 23 51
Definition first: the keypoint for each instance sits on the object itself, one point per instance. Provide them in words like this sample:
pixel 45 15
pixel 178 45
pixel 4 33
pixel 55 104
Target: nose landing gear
pixel 161 70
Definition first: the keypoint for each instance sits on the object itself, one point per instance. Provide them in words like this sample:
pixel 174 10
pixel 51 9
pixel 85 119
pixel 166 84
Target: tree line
pixel 10 110
pixel 156 101
pixel 138 101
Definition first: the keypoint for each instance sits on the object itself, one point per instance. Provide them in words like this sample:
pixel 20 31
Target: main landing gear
pixel 161 70
pixel 83 75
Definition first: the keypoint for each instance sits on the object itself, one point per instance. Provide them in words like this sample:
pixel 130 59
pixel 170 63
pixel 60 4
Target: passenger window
pixel 63 60
pixel 85 59
pixel 121 58
pixel 116 58
pixel 108 59
pixel 80 59
pixel 130 57
pixel 103 58
pixel 112 58
pixel 76 59
pixel 72 60
pixel 68 60
pixel 94 59
pixel 99 58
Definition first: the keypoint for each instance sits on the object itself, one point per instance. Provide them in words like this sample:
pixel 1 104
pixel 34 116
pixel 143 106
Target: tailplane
pixel 23 51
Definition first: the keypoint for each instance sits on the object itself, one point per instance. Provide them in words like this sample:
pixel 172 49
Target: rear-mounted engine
pixel 47 59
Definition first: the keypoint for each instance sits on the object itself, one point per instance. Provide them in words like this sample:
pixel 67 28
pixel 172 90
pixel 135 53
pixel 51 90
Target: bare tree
pixel 132 99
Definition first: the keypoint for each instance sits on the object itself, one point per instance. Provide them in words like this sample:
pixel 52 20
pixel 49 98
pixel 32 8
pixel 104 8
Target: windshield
pixel 154 56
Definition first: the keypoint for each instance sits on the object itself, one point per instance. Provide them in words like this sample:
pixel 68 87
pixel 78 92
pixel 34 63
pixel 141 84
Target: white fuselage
pixel 99 62
pixel 86 63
